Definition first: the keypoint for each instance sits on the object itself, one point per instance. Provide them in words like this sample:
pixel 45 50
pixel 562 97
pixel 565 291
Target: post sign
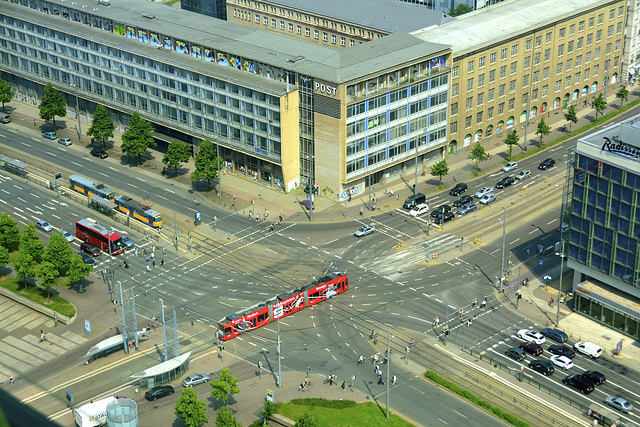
pixel 269 396
pixel 325 88
pixel 87 327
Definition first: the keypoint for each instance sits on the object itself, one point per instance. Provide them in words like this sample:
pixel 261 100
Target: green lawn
pixel 36 294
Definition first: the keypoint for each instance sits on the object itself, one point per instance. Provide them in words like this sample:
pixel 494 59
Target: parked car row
pixel 96 152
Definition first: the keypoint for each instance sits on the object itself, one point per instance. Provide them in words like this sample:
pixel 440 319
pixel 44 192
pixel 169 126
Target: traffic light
pixel 307 189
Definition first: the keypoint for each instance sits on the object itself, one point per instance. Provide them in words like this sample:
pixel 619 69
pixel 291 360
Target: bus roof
pixel 88 183
pixel 92 224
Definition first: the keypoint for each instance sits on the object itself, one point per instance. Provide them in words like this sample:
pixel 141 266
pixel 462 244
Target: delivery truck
pixel 94 413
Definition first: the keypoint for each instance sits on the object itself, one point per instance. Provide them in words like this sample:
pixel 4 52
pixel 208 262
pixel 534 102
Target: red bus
pixel 282 305
pixel 88 230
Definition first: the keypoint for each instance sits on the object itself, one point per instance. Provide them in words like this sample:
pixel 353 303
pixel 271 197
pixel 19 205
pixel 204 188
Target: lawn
pixel 37 295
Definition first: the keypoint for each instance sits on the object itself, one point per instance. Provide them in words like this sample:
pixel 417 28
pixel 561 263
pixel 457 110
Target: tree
pixel 224 386
pixel 25 267
pixel 543 129
pixel 4 256
pixel 78 269
pixel 48 276
pixel 571 116
pixel 137 139
pixel 269 410
pixel 6 94
pixel 622 94
pixel 307 420
pixel 599 104
pixel 178 152
pixel 511 140
pixel 9 232
pixel 205 163
pixel 191 409
pixel 461 9
pixel 52 104
pixel 30 242
pixel 225 418
pixel 478 154
pixel 102 126
pixel 440 169
pixel 58 252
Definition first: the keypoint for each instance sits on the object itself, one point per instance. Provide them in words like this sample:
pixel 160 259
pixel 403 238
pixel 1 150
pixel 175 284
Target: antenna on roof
pixel 287 82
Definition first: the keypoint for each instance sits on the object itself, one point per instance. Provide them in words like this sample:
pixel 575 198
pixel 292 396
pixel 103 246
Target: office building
pixel 214 8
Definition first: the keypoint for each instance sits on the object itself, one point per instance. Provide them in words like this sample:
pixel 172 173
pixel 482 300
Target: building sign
pixel 325 88
pixel 618 147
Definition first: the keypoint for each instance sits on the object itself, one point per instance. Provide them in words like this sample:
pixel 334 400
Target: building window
pixel 481 80
pixel 610 31
pixel 544 90
pixel 299 29
pixel 467 122
pixel 479 117
pixel 490 113
pixel 578 60
pixel 316 33
pixel 352 43
pixel 266 21
pixel 525 80
pixel 572 29
pixel 619 28
pixel 595 69
pixel 454 71
pixel 333 38
pixel 545 73
pixel 547 54
pixel 536 75
pixel 503 53
pixel 274 23
pixel 576 78
pixel 469 103
pixel 591 22
pixel 611 13
pixel 525 98
pixel 536 58
pixel 527 62
pixel 569 63
pixel 570 47
pixel 291 27
pixel 600 18
pixel 307 32
pixel 617 45
pixel 470 66
pixel 453 127
pixel 547 38
pixel 480 99
pixel 534 94
pixel 490 94
pixel 503 71
pixel 620 10
pixel 567 81
pixel 492 58
pixel 470 84
pixel 596 53
pixel 514 67
pixel 608 49
pixel 580 39
pixel 512 86
pixel 514 50
pixel 615 61
pixel 501 108
pixel 481 62
pixel 581 26
pixel 343 41
pixel 454 108
pixel 527 44
pixel 589 39
pixel 561 33
pixel 492 76
pixel 558 85
pixel 501 90
pixel 587 73
pixel 325 36
pixel 538 41
pixel 512 103
pixel 561 50
pixel 257 19
pixel 454 89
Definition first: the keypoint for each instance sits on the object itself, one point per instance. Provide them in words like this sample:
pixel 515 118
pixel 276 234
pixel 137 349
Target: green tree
pixel 4 256
pixel 25 267
pixel 48 277
pixel 30 242
pixel 191 409
pixel 52 104
pixel 9 232
pixel 622 94
pixel 225 418
pixel 511 140
pixel 571 116
pixel 269 410
pixel 543 129
pixel 599 104
pixel 478 154
pixel 138 138
pixel 461 9
pixel 224 386
pixel 205 163
pixel 178 152
pixel 6 94
pixel 102 126
pixel 78 269
pixel 307 420
pixel 440 169
pixel 58 253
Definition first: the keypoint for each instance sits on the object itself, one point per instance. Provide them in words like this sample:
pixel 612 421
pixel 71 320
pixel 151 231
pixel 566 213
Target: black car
pixel 546 164
pixel 562 351
pixel 542 366
pixel 595 376
pixel 458 189
pixel 580 383
pixel 99 153
pixel 462 201
pixel 555 334
pixel 440 210
pixel 446 217
pixel 87 259
pixel 158 392
pixel 515 353
pixel 505 182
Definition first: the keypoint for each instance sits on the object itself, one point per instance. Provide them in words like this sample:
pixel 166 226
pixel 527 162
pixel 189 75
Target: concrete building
pixel 631 49
pixel 602 206
pixel 214 8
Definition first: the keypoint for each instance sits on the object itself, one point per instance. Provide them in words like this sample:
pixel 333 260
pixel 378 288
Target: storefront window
pixel 619 322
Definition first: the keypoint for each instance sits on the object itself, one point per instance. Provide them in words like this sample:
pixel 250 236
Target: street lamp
pixel 548 279
pixel 75 89
pixel 504 229
pixel 560 284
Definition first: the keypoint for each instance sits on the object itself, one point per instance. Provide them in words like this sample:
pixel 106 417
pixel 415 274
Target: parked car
pixel 555 334
pixel 50 135
pixel 515 353
pixel 99 153
pixel 487 198
pixel 466 209
pixel 419 210
pixel 366 230
pixel 562 361
pixel 87 259
pixel 65 141
pixel 561 350
pixel 546 164
pixel 459 188
pixel 531 348
pixel 588 348
pixel 440 210
pixel 481 192
pixel 505 182
pixel 67 235
pixel 619 403
pixel 446 217
pixel 578 382
pixel 463 200
pixel 195 379
pixel 89 249
pixel 510 166
pixel 596 376
pixel 531 336
pixel 523 174
pixel 158 392
pixel 44 225
pixel 542 366
pixel 128 243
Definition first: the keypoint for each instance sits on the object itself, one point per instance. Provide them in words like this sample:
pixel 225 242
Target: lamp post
pixel 218 162
pixel 504 229
pixel 75 89
pixel 560 284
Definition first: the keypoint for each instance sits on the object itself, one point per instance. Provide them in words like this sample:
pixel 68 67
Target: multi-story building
pixel 631 49
pixel 519 60
pixel 282 110
pixel 602 206
pixel 215 8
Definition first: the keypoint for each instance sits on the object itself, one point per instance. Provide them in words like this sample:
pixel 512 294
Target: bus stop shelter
pixel 14 166
pixel 102 205
pixel 164 372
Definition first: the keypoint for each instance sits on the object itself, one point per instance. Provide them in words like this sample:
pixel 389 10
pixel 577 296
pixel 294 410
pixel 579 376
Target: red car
pixel 531 348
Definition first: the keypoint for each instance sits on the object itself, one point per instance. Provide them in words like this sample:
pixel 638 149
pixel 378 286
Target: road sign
pixel 269 396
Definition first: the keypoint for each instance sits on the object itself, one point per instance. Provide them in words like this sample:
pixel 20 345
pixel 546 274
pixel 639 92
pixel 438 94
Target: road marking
pixel 128 183
pixel 511 243
pixel 462 415
pixel 78 164
pixel 48 152
pixel 113 169
pixel 169 191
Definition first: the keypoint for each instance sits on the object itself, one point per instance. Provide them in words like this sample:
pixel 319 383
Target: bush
pixel 324 403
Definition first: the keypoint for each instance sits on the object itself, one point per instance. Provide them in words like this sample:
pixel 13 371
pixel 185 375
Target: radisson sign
pixel 619 147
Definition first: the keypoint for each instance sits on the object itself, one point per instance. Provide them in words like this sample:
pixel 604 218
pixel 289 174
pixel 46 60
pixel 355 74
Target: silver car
pixel 469 207
pixel 195 379
pixel 367 229
pixel 619 403
pixel 481 192
pixel 523 174
pixel 67 235
pixel 44 225
pixel 510 166
pixel 65 141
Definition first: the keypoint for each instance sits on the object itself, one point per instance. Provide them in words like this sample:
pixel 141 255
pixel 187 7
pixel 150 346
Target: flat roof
pixel 501 21
pixel 319 61
pixel 382 15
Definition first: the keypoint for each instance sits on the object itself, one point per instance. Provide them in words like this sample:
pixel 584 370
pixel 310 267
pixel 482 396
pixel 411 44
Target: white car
pixel 65 141
pixel 589 349
pixel 195 379
pixel 364 231
pixel 563 361
pixel 419 210
pixel 481 192
pixel 487 198
pixel 44 225
pixel 523 174
pixel 531 336
pixel 510 166
pixel 67 235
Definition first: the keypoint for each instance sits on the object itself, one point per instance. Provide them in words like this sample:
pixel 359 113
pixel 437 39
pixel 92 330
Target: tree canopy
pixel 440 169
pixel 58 252
pixel 460 9
pixel 225 386
pixel 78 269
pixel 52 105
pixel 24 265
pixel 6 94
pixel 225 418
pixel 102 126
pixel 478 154
pixel 30 242
pixel 191 409
pixel 137 139
pixel 599 104
pixel 511 139
pixel 48 277
pixel 307 420
pixel 4 256
pixel 543 129
pixel 178 152
pixel 571 116
pixel 622 94
pixel 206 163
pixel 9 232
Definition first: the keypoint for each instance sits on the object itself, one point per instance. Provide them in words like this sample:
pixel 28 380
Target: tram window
pixel 262 317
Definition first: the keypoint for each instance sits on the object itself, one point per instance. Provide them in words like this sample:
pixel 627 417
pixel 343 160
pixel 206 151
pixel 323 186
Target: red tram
pixel 282 305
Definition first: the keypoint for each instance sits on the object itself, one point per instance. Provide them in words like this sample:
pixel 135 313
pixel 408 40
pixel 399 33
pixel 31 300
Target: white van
pixel 588 348
pixel 5 118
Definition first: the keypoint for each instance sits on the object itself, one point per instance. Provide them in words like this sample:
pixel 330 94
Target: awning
pixel 162 368
pixel 15 163
pixel 104 202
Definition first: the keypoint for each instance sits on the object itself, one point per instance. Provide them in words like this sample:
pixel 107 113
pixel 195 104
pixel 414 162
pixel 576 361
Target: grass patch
pixel 341 413
pixel 39 296
pixel 466 394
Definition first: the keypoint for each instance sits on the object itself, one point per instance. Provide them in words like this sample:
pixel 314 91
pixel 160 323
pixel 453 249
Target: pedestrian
pixel 154 263
pixel 34 122
pixel 164 251
pixel 373 208
pixel 380 380
pixel 148 269
pixel 153 255
pixel 153 249
pixel 377 368
pixel 147 259
pixel 361 211
pixel 395 379
pixel 330 379
pixel 343 385
pixel 162 263
pixel 11 380
pixel 483 304
pixel 136 251
pixel 149 327
pixel 257 217
pixel 41 331
pixel 468 322
pixel 144 251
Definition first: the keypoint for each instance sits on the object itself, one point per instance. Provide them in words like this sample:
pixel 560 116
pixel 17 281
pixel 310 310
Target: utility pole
pixel 218 162
pixel 560 284
pixel 369 190
pixel 175 227
pixel 78 110
pixel 388 377
pixel 415 185
pixel 504 229
pixel 519 293
pixel 279 382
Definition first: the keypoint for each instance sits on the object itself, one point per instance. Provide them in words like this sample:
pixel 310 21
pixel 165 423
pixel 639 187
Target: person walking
pixel 147 259
pixel 395 379
pixel 162 263
pixel 380 380
pixel 343 385
pixel 11 380
pixel 136 251
pixel 164 250
pixel 361 211
pixel 377 368
pixel 148 269
pixel 153 249
pixel 149 327
pixel 154 263
pixel 153 255
pixel 436 321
